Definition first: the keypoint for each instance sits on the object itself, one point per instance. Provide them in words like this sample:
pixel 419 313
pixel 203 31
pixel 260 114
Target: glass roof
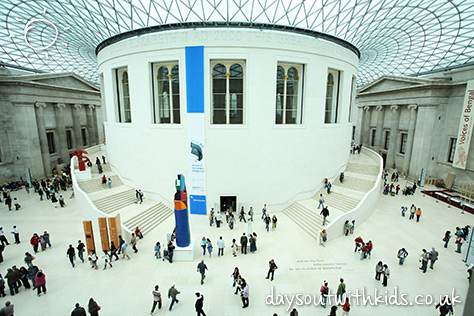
pixel 395 37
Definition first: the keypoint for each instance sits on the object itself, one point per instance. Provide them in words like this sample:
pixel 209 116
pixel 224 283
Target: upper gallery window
pixel 452 149
pixel 123 96
pixel 51 142
pixel 227 92
pixel 332 96
pixel 166 105
pixel 353 93
pixel 288 106
pixel 403 143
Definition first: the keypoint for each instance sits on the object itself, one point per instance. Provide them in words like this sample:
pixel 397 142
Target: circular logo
pixel 31 25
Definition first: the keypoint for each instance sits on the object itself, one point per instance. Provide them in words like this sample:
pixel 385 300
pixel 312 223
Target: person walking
pixel 235 275
pixel 34 241
pixel 243 244
pixel 242 215
pixel 157 249
pixel 352 226
pixel 47 239
pixel 16 234
pixel 325 213
pixel 199 304
pixel 274 222
pixel 333 311
pixel 412 211
pixel 234 248
pixel 321 201
pixel 201 268
pixel 203 245
pixel 267 222
pixel 433 257
pixel 93 307
pixel 272 267
pixel 218 219
pixel 294 312
pixel 445 307
pixel 401 255
pixel 378 270
pixel 78 311
pixel 3 238
pixel 324 293
pixel 386 275
pixel 251 214
pixel 424 260
pixel 447 237
pixel 245 294
pixel 71 253
pixel 157 300
pixel 220 246
pixel 341 289
pixel 109 183
pixel 113 251
pixel 133 242
pixel 124 251
pixel 323 237
pixel 93 259
pixel 459 242
pixel 329 187
pixel 8 310
pixel 346 307
pixel 12 279
pixel 210 248
pixel 40 282
pixel 418 214
pixel 171 248
pixel 172 292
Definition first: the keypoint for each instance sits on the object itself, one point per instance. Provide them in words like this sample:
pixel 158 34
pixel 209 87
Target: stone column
pixel 76 122
pixel 61 132
pixel 411 136
pixel 392 146
pixel 90 125
pixel 366 133
pixel 379 132
pixel 39 113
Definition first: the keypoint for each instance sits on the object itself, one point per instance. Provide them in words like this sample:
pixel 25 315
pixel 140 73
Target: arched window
pixel 123 112
pixel 288 97
pixel 332 97
pixel 227 93
pixel 166 107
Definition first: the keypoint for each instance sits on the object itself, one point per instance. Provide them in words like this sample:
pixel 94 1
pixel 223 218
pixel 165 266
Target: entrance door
pixel 228 202
pixel 384 158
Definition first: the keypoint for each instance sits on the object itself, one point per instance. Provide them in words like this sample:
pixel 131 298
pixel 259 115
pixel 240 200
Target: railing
pixel 364 208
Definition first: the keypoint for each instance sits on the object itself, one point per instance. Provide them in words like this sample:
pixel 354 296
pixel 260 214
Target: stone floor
pixel 303 265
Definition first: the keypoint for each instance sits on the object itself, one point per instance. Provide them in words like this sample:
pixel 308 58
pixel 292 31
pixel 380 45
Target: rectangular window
pixel 353 93
pixel 353 132
pixel 84 136
pixel 452 148
pixel 227 92
pixel 166 103
pixel 332 97
pixel 387 140
pixel 69 138
pixel 51 142
pixel 123 109
pixel 289 87
pixel 403 143
pixel 372 141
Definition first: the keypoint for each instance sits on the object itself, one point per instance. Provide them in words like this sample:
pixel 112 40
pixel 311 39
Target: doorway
pixel 384 159
pixel 228 202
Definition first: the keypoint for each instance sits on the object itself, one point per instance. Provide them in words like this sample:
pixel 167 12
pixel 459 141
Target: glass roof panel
pixel 395 37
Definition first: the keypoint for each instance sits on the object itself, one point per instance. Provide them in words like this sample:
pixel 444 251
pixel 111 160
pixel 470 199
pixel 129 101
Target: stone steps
pixel 309 221
pixel 339 201
pixel 149 219
pixel 114 202
pixel 94 185
pixel 362 168
pixel 357 184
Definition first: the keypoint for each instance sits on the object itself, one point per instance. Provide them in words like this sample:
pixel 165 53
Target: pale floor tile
pixel 303 264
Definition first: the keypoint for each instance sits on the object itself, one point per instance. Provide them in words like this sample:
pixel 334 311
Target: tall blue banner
pixel 196 128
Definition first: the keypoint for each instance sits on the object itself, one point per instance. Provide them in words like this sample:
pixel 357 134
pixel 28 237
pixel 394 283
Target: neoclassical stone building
pixel 43 119
pixel 414 122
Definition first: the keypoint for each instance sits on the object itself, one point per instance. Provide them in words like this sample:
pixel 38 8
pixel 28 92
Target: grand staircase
pixel 360 177
pixel 121 199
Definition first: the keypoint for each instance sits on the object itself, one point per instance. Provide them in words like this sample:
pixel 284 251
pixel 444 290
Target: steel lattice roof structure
pixel 394 37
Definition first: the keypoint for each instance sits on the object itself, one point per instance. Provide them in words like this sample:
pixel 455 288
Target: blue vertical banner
pixel 196 128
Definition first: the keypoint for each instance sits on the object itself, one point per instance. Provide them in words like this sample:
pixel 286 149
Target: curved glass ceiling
pixel 395 37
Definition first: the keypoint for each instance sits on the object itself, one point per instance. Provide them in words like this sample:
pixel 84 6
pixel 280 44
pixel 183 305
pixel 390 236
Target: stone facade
pixel 43 119
pixel 412 122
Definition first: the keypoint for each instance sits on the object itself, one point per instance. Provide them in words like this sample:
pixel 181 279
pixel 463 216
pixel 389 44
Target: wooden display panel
pixel 88 232
pixel 104 235
pixel 118 225
pixel 113 230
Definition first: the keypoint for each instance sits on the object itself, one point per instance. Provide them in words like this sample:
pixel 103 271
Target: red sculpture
pixel 81 159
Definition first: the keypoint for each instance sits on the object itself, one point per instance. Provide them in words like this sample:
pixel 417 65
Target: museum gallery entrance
pixel 227 202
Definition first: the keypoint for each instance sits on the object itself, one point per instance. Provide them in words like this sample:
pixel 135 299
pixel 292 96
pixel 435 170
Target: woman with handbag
pixel 93 307
pixel 323 237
